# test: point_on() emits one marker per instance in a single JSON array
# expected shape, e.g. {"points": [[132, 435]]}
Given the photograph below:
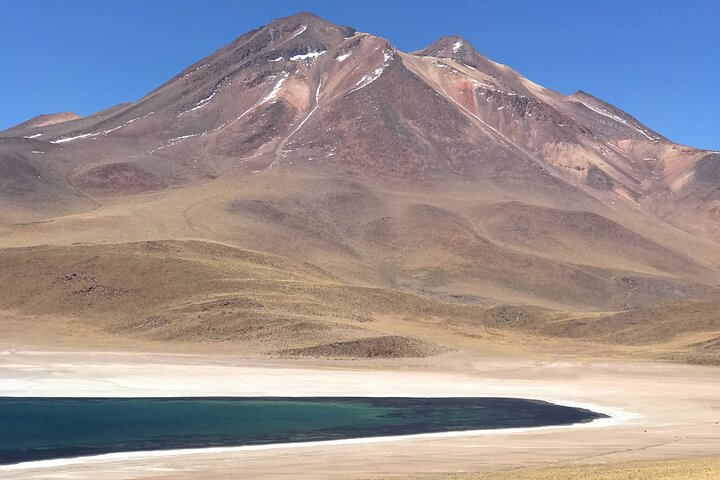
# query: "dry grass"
{"points": [[205, 295], [202, 293], [686, 469]]}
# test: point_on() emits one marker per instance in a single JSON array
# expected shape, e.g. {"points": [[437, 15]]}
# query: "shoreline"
{"points": [[656, 411], [618, 417]]}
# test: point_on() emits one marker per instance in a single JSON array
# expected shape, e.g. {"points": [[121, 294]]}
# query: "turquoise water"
{"points": [[44, 428]]}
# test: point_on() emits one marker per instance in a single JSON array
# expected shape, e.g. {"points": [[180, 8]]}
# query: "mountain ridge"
{"points": [[438, 173]]}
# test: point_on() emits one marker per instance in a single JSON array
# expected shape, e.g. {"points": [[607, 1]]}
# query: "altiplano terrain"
{"points": [[309, 195]]}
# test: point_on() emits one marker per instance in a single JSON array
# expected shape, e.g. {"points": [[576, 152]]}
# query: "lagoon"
{"points": [[48, 428]]}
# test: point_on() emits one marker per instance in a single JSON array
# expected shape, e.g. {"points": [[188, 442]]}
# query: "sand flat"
{"points": [[661, 411]]}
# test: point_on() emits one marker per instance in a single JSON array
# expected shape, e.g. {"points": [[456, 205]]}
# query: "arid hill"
{"points": [[307, 181]]}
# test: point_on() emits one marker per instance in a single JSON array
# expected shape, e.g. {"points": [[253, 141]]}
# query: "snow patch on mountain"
{"points": [[101, 133], [275, 89], [200, 104], [368, 79], [76, 137], [302, 29], [307, 56]]}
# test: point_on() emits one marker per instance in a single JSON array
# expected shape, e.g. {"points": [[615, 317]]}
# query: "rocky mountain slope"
{"points": [[438, 173]]}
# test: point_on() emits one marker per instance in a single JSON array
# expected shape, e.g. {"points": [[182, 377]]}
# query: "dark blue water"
{"points": [[45, 428]]}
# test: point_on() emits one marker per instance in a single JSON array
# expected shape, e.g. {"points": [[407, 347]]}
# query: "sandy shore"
{"points": [[659, 411]]}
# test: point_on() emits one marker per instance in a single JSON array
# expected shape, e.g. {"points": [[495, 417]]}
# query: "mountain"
{"points": [[437, 175], [43, 121]]}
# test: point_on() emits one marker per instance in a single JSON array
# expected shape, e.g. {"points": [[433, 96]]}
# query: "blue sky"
{"points": [[658, 60]]}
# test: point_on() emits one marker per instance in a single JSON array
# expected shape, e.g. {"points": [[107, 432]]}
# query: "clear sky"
{"points": [[659, 60]]}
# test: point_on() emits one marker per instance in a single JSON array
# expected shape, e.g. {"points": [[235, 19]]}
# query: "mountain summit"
{"points": [[439, 172]]}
